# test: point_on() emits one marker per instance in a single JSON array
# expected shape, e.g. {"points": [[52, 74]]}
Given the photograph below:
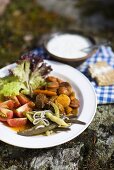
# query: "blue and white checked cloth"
{"points": [[105, 94]]}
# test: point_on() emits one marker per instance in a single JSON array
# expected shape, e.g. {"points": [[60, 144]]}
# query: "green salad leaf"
{"points": [[7, 79], [22, 71], [10, 86], [31, 71], [31, 79], [28, 75], [36, 80], [11, 89]]}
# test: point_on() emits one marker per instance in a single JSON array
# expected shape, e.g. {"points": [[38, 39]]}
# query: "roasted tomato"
{"points": [[17, 122], [5, 114], [16, 101], [25, 108], [22, 99], [7, 104]]}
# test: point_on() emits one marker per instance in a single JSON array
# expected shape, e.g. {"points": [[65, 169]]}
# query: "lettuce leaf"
{"points": [[36, 80], [31, 71], [7, 79], [22, 71], [28, 75], [11, 88]]}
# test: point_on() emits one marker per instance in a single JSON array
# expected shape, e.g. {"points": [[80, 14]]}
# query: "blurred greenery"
{"points": [[24, 22], [21, 25]]}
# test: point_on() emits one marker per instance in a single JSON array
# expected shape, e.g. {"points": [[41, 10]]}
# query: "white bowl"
{"points": [[67, 46]]}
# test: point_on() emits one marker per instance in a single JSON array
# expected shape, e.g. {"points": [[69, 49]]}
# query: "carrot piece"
{"points": [[46, 92], [31, 104]]}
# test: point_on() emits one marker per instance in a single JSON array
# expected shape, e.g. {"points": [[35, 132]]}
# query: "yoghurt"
{"points": [[68, 46]]}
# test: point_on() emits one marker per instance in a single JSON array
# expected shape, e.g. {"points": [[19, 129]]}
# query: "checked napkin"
{"points": [[105, 94]]}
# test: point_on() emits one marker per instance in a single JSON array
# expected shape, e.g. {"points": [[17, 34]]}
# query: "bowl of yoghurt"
{"points": [[69, 46]]}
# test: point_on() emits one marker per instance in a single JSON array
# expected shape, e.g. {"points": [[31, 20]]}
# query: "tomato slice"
{"points": [[7, 104], [16, 101], [9, 114], [17, 122], [22, 99], [25, 108]]}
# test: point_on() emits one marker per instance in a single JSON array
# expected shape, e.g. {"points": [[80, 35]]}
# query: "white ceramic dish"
{"points": [[86, 95], [67, 46]]}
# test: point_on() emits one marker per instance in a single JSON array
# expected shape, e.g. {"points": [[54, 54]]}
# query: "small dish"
{"points": [[68, 46]]}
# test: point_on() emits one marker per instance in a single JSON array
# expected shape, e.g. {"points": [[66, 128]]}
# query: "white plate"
{"points": [[84, 92]]}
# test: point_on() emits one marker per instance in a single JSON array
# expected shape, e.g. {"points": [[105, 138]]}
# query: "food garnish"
{"points": [[30, 96]]}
